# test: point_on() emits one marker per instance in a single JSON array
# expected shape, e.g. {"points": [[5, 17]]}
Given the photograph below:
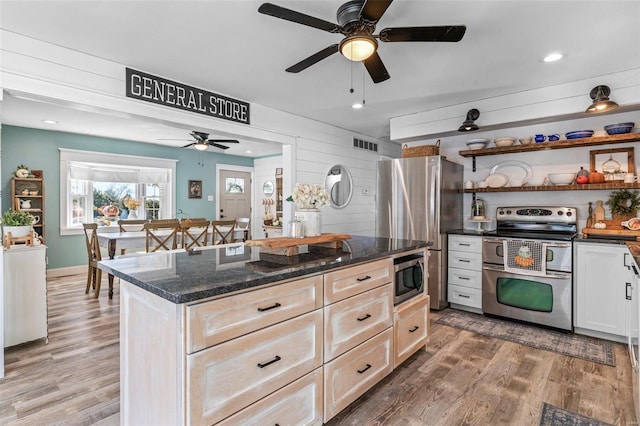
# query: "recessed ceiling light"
{"points": [[357, 105], [248, 151], [50, 121], [553, 57]]}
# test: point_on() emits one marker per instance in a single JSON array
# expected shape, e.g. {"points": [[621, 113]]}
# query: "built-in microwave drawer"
{"points": [[465, 278], [465, 243], [350, 281], [466, 296], [462, 260], [216, 321]]}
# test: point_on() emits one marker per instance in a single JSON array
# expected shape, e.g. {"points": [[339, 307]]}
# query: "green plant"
{"points": [[624, 202], [17, 218]]}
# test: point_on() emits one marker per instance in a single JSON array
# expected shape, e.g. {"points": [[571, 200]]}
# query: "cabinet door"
{"points": [[465, 278], [465, 260], [352, 321], [350, 281], [299, 403], [411, 328], [352, 374], [219, 320], [600, 288], [466, 243], [228, 377]]}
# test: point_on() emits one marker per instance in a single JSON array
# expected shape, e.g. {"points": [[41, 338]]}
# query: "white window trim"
{"points": [[67, 155]]}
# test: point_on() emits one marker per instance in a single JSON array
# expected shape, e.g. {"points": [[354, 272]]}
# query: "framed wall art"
{"points": [[613, 163], [195, 189]]}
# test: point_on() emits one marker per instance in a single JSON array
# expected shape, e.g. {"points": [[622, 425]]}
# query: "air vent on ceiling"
{"points": [[362, 144]]}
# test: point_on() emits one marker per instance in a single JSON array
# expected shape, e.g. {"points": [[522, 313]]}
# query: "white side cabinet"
{"points": [[25, 294], [464, 277], [600, 289]]}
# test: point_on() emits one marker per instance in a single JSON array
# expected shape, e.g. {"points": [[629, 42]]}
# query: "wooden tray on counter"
{"points": [[286, 246], [613, 229]]}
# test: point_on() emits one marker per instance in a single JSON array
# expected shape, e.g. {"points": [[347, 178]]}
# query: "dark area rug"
{"points": [[574, 345], [554, 416]]}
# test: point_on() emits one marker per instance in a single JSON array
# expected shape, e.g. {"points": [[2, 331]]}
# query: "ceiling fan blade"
{"points": [[172, 139], [223, 140], [217, 145], [316, 57], [201, 136], [451, 33], [372, 10], [297, 17], [188, 145], [376, 68]]}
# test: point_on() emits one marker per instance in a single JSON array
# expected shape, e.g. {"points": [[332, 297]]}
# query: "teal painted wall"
{"points": [[38, 149]]}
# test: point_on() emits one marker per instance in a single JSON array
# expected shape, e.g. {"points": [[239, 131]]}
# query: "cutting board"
{"points": [[613, 229], [286, 246]]}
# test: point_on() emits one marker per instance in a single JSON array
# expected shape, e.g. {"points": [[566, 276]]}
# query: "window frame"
{"points": [[133, 161]]}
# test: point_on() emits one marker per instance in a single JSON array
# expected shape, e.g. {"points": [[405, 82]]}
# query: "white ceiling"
{"points": [[228, 47]]}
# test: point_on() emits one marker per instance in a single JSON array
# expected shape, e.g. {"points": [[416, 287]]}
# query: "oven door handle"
{"points": [[500, 240], [560, 277]]}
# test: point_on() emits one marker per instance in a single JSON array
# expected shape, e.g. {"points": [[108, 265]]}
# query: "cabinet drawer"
{"points": [[216, 321], [348, 282], [352, 374], [354, 320], [463, 260], [411, 328], [465, 296], [299, 403], [228, 377], [465, 278], [465, 243]]}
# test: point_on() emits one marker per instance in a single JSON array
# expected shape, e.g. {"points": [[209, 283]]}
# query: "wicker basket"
{"points": [[421, 151]]}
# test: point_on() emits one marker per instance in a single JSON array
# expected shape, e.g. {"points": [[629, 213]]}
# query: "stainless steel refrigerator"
{"points": [[421, 199]]}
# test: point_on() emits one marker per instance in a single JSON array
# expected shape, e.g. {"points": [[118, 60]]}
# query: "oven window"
{"points": [[525, 294], [410, 279]]}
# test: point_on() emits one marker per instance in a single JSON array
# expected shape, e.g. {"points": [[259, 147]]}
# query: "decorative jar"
{"points": [[310, 219]]}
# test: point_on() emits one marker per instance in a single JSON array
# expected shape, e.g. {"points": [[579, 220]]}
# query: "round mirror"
{"points": [[339, 185], [267, 187]]}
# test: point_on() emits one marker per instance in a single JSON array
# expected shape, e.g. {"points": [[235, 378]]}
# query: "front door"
{"points": [[235, 194]]}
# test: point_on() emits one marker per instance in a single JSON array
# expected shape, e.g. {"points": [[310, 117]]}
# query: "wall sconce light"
{"points": [[601, 102], [469, 125]]}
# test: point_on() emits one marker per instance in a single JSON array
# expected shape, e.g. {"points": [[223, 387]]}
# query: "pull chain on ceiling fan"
{"points": [[357, 21]]}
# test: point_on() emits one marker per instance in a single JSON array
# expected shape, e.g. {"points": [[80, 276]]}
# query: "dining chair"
{"points": [[223, 231], [242, 229], [161, 236], [94, 274], [131, 225], [195, 233]]}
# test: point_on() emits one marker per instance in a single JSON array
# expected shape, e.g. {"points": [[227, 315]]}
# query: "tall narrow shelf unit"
{"points": [[30, 191], [279, 199]]}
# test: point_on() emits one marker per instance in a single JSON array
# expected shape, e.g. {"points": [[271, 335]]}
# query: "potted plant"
{"points": [[624, 204], [18, 222]]}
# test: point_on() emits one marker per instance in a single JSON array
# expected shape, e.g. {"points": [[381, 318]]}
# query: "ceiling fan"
{"points": [[357, 21], [202, 141]]}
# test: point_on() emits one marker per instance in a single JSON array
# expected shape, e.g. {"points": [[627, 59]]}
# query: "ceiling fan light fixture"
{"points": [[201, 146], [601, 101], [358, 48], [468, 125]]}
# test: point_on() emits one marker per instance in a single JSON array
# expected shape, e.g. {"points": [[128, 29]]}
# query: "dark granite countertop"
{"points": [[184, 277]]}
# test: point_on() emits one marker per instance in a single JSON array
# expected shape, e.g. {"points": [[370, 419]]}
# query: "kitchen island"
{"points": [[231, 335]]}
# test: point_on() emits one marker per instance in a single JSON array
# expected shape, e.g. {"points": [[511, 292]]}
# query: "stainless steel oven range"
{"points": [[527, 265]]}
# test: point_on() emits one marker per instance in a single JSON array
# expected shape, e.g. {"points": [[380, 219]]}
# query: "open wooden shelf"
{"points": [[542, 146], [584, 187]]}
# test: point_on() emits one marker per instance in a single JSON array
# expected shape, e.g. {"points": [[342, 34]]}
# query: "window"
{"points": [[234, 185], [97, 185]]}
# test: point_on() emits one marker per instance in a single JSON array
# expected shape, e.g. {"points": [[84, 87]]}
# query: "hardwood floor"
{"points": [[461, 379]]}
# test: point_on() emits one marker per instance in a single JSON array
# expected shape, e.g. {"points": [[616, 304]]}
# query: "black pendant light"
{"points": [[601, 101], [469, 125]]}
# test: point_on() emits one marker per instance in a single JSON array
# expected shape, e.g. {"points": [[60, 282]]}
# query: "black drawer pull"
{"points": [[463, 278], [275, 305], [276, 359], [364, 369], [464, 244], [464, 296], [368, 277], [464, 260], [414, 329], [364, 317]]}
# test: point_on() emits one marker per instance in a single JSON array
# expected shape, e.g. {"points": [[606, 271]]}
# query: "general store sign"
{"points": [[158, 90]]}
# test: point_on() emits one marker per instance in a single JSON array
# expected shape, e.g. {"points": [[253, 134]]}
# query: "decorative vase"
{"points": [[310, 219], [133, 214], [17, 231]]}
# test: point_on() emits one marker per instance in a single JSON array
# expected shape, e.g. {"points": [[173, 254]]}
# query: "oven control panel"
{"points": [[537, 214]]}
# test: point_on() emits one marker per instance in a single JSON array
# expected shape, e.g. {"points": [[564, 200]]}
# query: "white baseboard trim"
{"points": [[68, 270]]}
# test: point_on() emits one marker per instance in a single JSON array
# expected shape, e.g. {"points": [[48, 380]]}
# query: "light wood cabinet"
{"points": [[28, 195], [464, 274], [353, 373], [348, 282], [411, 328], [223, 379]]}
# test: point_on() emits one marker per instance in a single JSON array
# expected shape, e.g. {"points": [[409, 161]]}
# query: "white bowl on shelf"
{"points": [[536, 180], [561, 178], [478, 143], [506, 141]]}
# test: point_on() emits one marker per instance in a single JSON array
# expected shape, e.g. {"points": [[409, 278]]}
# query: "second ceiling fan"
{"points": [[357, 21]]}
